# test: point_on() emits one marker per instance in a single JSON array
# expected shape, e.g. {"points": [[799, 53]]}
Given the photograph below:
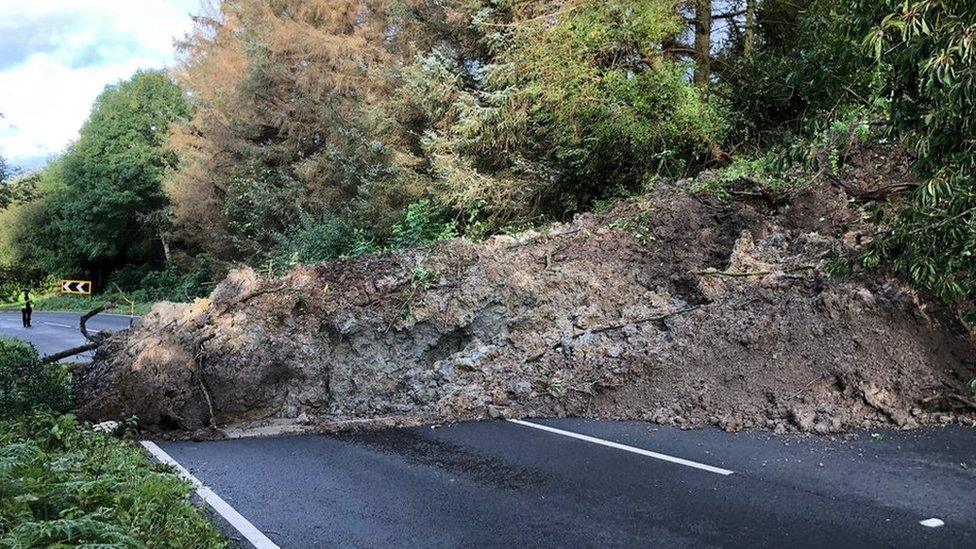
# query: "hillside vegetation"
{"points": [[63, 483], [297, 131]]}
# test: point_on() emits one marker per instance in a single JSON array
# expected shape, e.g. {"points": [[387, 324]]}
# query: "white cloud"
{"points": [[56, 56]]}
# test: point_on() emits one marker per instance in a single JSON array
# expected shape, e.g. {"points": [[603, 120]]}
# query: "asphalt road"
{"points": [[54, 332], [501, 484]]}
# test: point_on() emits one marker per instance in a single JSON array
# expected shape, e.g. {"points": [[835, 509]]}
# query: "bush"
{"points": [[144, 283], [63, 484], [173, 284], [930, 50], [807, 63], [314, 241], [422, 224], [26, 385]]}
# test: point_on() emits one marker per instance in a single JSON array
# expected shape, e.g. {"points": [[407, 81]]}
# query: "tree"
{"points": [[749, 42], [929, 48], [9, 191], [703, 42], [287, 117], [112, 176]]}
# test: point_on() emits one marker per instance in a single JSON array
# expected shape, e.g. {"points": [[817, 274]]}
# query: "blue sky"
{"points": [[56, 56]]}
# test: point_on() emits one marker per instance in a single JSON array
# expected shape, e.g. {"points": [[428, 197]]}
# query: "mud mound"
{"points": [[672, 308]]}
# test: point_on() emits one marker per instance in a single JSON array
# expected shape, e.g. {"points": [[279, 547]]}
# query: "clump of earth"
{"points": [[676, 308]]}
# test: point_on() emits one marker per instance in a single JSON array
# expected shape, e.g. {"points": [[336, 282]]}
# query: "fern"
{"points": [[64, 484]]}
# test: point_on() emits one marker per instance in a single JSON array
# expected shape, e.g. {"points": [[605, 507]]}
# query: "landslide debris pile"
{"points": [[672, 308]]}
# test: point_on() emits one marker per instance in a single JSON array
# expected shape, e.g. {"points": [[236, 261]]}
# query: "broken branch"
{"points": [[56, 357], [82, 324]]}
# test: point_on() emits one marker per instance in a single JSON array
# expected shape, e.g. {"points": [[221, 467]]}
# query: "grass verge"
{"points": [[66, 484], [62, 483], [58, 302]]}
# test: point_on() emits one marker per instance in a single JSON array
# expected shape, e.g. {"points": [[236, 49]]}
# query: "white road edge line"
{"points": [[624, 447], [241, 524]]}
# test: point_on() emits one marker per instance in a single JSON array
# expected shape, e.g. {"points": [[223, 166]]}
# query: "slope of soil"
{"points": [[670, 308]]}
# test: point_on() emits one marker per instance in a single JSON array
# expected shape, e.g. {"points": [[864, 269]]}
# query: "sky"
{"points": [[56, 56]]}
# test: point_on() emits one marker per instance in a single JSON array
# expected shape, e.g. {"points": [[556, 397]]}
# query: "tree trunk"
{"points": [[703, 42], [750, 36], [164, 238]]}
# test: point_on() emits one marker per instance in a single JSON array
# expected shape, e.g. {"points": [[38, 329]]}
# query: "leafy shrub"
{"points": [[807, 63], [259, 206], [27, 385], [559, 110], [145, 283], [130, 277], [930, 48], [314, 241], [172, 284], [63, 484], [422, 224]]}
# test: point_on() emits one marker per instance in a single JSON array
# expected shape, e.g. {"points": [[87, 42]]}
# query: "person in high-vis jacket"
{"points": [[27, 309]]}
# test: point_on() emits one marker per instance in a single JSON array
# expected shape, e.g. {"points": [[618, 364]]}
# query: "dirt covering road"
{"points": [[673, 308]]}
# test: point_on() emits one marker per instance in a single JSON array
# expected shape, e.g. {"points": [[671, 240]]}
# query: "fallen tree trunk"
{"points": [[94, 341], [70, 352]]}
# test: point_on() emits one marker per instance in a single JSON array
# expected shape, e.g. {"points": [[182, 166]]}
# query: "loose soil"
{"points": [[671, 308]]}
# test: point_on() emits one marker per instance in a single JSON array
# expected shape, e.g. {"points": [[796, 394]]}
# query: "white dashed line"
{"points": [[59, 325], [624, 447], [932, 522], [241, 524]]}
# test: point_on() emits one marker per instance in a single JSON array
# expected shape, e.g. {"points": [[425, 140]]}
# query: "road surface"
{"points": [[581, 483], [54, 332], [501, 484]]}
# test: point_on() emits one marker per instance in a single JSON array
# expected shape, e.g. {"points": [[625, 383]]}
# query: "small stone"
{"points": [[523, 388], [803, 417], [107, 427], [497, 412]]}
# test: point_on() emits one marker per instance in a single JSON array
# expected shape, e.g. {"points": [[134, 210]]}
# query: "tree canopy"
{"points": [[303, 130], [85, 219]]}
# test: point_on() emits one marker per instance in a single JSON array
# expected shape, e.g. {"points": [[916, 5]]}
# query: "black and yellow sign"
{"points": [[76, 287]]}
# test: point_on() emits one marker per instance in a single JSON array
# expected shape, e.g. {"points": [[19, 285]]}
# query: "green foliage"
{"points": [[66, 485], [796, 162], [7, 171], [930, 49], [421, 276], [315, 241], [422, 224], [26, 385], [146, 283], [12, 188], [112, 176], [610, 105], [83, 217], [259, 207], [764, 173], [27, 245], [172, 284], [808, 63], [566, 108]]}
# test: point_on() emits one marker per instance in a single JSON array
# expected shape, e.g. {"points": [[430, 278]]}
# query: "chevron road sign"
{"points": [[76, 287]]}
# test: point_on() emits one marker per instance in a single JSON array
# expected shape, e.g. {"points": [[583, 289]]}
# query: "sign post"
{"points": [[76, 287]]}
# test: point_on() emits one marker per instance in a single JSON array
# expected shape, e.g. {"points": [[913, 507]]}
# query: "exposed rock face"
{"points": [[676, 309]]}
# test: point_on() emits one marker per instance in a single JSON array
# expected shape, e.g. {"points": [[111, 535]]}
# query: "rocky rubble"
{"points": [[670, 308]]}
